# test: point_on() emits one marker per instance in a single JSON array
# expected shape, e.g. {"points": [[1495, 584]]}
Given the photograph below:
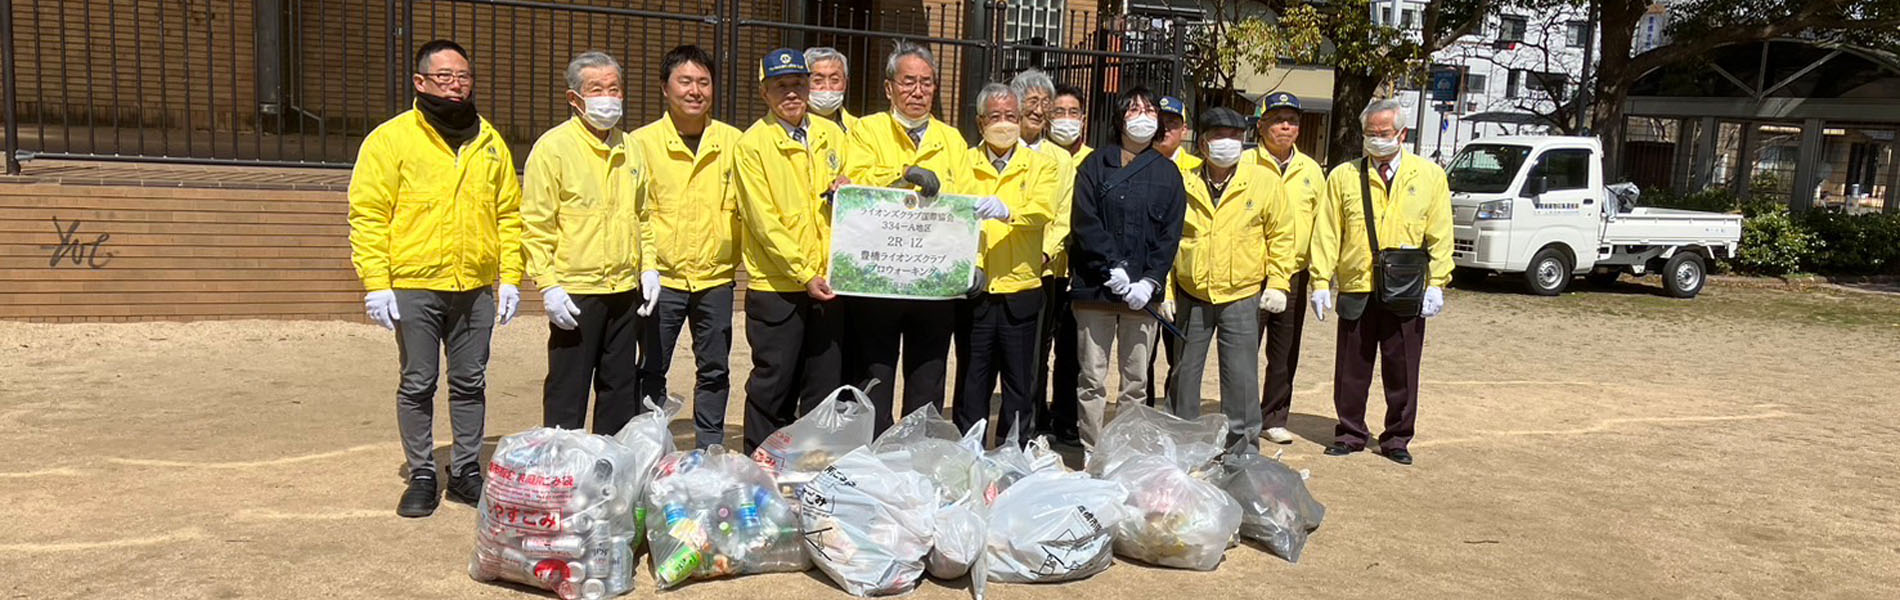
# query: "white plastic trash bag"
{"points": [[1277, 511], [868, 525], [1141, 431], [796, 453], [557, 513], [960, 532], [1177, 520], [1053, 527], [647, 440], [714, 513]]}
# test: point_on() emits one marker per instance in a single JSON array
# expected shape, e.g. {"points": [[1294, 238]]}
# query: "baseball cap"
{"points": [[1277, 100], [783, 61], [1172, 105]]}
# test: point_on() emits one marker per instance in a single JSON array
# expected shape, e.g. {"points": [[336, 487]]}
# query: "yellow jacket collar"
{"points": [[707, 144]]}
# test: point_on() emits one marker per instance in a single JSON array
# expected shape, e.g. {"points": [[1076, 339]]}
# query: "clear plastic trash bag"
{"points": [[798, 452], [713, 513], [648, 439], [868, 523], [1176, 519], [1141, 431], [1053, 526], [1276, 509], [557, 513]]}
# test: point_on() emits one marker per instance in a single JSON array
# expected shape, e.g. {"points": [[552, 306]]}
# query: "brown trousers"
{"points": [[1398, 344]]}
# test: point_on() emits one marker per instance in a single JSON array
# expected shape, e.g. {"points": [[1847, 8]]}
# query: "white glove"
{"points": [[1139, 293], [1322, 301], [1166, 310], [380, 305], [1434, 303], [560, 308], [649, 292], [508, 296], [991, 207], [1118, 281], [1273, 301]]}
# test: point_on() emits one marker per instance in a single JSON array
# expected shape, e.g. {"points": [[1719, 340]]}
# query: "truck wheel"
{"points": [[1684, 275], [1603, 278], [1467, 278], [1549, 273]]}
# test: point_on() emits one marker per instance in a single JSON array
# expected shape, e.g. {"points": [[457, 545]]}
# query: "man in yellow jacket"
{"points": [[1060, 375], [1411, 209], [996, 329], [905, 146], [788, 162], [830, 78], [435, 235], [692, 211], [1236, 252], [580, 202], [1305, 184]]}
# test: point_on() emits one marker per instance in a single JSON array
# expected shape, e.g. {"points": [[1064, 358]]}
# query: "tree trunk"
{"points": [[1351, 93], [1613, 78]]}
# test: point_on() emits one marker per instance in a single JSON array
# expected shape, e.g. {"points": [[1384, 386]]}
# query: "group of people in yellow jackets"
{"points": [[633, 238]]}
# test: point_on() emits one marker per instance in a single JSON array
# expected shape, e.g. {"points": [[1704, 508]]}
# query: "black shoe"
{"points": [[467, 488], [1339, 449], [420, 499], [1398, 456]]}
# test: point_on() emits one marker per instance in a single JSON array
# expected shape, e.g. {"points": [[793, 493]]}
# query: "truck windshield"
{"points": [[1485, 168]]}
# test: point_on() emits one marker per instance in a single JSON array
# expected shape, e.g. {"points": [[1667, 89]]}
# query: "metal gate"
{"points": [[300, 82]]}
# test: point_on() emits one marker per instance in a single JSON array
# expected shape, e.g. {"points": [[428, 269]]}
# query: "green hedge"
{"points": [[1775, 242]]}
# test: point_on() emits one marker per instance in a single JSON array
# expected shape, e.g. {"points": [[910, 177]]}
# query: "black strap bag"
{"points": [[1399, 275]]}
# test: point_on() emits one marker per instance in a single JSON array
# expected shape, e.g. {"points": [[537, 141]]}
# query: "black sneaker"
{"points": [[1341, 449], [467, 487], [420, 499]]}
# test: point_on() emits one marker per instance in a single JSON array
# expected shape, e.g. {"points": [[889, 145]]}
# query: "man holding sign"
{"points": [[787, 162], [906, 147], [996, 329]]}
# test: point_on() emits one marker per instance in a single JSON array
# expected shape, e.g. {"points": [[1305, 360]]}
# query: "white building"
{"points": [[1520, 71]]}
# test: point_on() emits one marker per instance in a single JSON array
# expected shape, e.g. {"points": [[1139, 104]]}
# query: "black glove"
{"points": [[978, 284], [925, 181]]}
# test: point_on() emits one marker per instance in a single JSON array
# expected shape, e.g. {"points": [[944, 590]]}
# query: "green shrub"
{"points": [[1774, 243], [1855, 244]]}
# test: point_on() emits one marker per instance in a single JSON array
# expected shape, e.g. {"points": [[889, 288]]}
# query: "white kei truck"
{"points": [[1538, 206]]}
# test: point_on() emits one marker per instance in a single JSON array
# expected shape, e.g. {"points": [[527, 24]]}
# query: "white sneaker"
{"points": [[1279, 435]]}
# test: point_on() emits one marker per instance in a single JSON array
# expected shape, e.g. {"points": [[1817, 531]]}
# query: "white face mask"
{"points": [[1065, 131], [826, 102], [907, 122], [1224, 152], [1377, 147], [1141, 129], [603, 112]]}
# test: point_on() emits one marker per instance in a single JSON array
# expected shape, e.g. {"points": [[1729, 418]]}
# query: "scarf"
{"points": [[456, 122]]}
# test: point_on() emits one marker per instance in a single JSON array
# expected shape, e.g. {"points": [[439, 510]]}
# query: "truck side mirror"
{"points": [[1535, 186]]}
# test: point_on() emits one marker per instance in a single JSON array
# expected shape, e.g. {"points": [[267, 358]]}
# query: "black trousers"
{"points": [[1056, 386], [796, 360], [921, 330], [1283, 354], [997, 336], [709, 313], [1170, 347], [600, 353], [1396, 343]]}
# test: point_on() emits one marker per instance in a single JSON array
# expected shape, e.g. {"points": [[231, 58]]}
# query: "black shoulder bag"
{"points": [[1399, 275]]}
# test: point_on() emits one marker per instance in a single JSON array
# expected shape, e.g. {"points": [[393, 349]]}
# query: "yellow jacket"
{"points": [[1055, 239], [581, 203], [1305, 184], [427, 216], [881, 151], [1230, 249], [845, 120], [692, 203], [787, 232], [1012, 251], [1187, 162], [1418, 215]]}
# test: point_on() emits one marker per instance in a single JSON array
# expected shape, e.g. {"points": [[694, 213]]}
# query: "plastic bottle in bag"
{"points": [[714, 513], [1176, 519]]}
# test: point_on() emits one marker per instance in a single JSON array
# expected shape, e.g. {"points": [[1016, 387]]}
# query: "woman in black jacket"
{"points": [[1129, 204]]}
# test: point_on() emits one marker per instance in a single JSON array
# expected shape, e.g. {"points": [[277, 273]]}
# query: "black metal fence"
{"points": [[300, 82]]}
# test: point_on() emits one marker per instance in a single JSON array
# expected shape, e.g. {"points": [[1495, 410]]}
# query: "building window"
{"points": [[1385, 16], [1551, 84], [1577, 33], [1476, 84], [1035, 19], [1410, 19], [1511, 28], [1511, 83]]}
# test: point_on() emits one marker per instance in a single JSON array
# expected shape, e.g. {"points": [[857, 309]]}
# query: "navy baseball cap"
{"points": [[783, 61], [1278, 100], [1172, 105]]}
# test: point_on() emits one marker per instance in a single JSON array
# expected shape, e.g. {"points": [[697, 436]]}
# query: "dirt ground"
{"points": [[1607, 444]]}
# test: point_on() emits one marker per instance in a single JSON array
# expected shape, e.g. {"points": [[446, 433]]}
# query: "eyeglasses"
{"points": [[445, 77], [1058, 112], [911, 85]]}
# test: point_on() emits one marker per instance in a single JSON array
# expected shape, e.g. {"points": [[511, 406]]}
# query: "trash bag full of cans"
{"points": [[713, 513], [798, 452], [557, 514], [868, 523], [1276, 509]]}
